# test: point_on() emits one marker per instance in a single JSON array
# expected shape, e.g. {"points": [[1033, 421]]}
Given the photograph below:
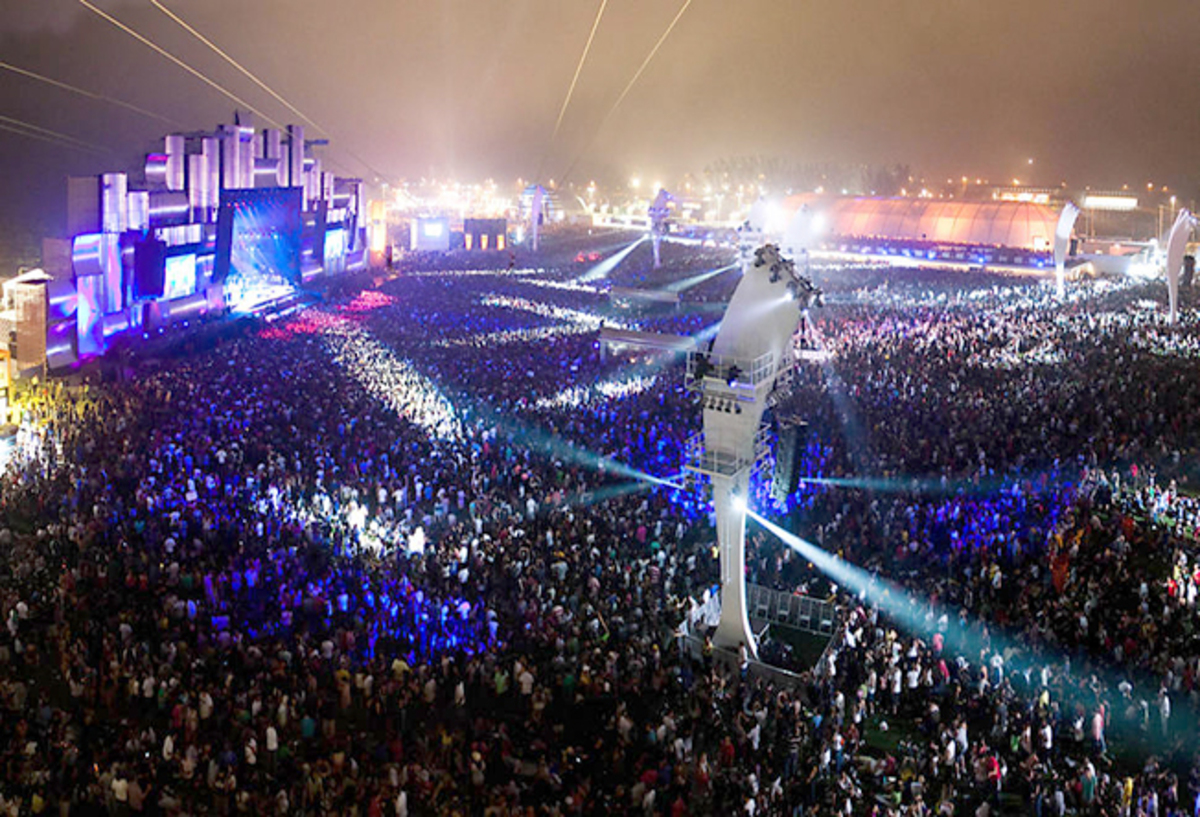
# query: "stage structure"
{"points": [[485, 233], [1185, 222], [660, 211], [747, 368], [225, 220], [259, 245]]}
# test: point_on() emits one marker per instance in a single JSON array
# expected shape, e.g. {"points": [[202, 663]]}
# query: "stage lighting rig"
{"points": [[745, 369]]}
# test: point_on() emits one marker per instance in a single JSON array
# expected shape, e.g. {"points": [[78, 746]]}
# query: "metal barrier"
{"points": [[791, 609], [731, 660]]}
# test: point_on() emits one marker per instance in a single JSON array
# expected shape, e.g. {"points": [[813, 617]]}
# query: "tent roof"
{"points": [[1020, 225]]}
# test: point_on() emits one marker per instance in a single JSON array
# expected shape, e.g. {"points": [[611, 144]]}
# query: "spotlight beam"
{"points": [[172, 58], [924, 618], [696, 280], [920, 617], [609, 264], [933, 486], [628, 87], [578, 69], [641, 68], [25, 72]]}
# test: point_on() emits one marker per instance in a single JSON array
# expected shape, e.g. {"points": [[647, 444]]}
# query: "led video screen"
{"points": [[258, 236], [180, 276]]}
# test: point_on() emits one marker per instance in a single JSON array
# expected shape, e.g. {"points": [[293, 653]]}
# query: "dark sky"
{"points": [[1102, 92]]}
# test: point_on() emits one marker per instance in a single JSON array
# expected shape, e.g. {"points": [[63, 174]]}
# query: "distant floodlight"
{"points": [[738, 502]]}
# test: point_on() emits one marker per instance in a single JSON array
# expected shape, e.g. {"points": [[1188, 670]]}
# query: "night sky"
{"points": [[1099, 92]]}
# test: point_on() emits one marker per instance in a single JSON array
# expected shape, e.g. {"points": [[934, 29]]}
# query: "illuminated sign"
{"points": [[1118, 203], [1023, 196]]}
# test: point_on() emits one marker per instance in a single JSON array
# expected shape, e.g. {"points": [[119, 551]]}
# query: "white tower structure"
{"points": [[1062, 241], [659, 211], [1185, 222], [537, 214], [751, 358]]}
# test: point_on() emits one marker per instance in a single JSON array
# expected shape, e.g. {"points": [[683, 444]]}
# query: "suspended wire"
{"points": [[245, 71], [168, 55], [25, 72], [55, 134], [254, 78], [31, 135], [56, 139], [575, 79], [628, 87]]}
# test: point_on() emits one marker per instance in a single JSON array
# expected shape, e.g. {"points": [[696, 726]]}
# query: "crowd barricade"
{"points": [[811, 615]]}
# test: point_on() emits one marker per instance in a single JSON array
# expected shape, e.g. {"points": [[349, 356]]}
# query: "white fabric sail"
{"points": [[1062, 240], [1185, 222]]}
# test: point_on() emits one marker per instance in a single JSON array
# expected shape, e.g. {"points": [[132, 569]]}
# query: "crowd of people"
{"points": [[390, 556]]}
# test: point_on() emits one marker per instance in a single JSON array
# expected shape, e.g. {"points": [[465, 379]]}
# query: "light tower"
{"points": [[537, 215], [749, 363], [659, 210]]}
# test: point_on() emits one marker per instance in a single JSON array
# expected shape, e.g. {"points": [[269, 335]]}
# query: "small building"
{"points": [[485, 234]]}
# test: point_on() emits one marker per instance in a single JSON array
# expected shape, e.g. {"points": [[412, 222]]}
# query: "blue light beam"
{"points": [[609, 264]]}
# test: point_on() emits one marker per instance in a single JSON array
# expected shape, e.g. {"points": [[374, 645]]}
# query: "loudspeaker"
{"points": [[149, 268], [1189, 270], [789, 448]]}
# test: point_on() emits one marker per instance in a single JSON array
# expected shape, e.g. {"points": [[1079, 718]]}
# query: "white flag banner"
{"points": [[1185, 222]]}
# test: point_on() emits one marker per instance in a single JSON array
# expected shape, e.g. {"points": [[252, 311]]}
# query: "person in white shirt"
{"points": [[272, 741], [120, 789]]}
